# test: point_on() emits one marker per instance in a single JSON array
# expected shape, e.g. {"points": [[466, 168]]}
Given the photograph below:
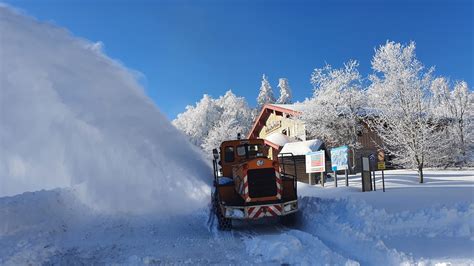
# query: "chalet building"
{"points": [[277, 124], [283, 131]]}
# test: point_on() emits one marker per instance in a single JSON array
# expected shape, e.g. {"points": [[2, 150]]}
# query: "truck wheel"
{"points": [[223, 224], [289, 219]]}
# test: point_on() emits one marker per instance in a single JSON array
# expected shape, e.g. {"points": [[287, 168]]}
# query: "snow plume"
{"points": [[71, 116]]}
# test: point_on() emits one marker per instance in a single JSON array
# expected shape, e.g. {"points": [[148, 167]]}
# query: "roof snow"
{"points": [[300, 107], [279, 138], [302, 147], [297, 107]]}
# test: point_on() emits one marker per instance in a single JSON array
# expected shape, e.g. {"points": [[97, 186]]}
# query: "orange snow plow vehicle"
{"points": [[249, 185]]}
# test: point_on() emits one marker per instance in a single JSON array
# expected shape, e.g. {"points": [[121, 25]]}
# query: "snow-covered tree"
{"points": [[456, 107], [196, 121], [285, 91], [236, 117], [266, 93], [404, 121], [333, 113], [212, 121]]}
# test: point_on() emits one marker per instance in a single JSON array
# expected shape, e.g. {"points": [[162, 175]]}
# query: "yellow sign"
{"points": [[381, 165]]}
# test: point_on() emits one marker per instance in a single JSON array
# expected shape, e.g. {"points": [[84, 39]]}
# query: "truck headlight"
{"points": [[229, 212], [234, 213], [290, 207]]}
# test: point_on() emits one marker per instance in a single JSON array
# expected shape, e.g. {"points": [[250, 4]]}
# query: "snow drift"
{"points": [[71, 116]]}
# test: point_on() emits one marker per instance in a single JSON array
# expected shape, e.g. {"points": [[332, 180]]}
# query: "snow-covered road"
{"points": [[337, 226]]}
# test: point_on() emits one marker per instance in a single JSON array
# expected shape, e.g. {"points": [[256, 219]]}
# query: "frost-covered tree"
{"points": [[265, 94], [404, 121], [236, 117], [196, 121], [456, 107], [333, 114], [285, 91], [212, 121]]}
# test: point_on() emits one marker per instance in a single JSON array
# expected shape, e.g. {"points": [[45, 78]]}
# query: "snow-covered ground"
{"points": [[410, 223]]}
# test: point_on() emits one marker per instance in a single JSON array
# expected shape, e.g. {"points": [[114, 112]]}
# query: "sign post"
{"points": [[372, 164], [315, 163], [339, 161], [383, 182], [347, 177], [375, 188], [381, 166]]}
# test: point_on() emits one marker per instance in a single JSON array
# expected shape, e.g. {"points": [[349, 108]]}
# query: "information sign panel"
{"points": [[339, 159], [315, 162]]}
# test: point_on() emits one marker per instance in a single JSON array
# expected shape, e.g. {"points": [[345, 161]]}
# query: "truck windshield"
{"points": [[250, 150]]}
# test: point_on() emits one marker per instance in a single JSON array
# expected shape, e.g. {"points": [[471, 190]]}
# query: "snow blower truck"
{"points": [[248, 185]]}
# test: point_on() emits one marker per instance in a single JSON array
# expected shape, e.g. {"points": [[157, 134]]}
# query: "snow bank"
{"points": [[375, 237], [41, 211], [54, 228], [69, 115], [424, 223]]}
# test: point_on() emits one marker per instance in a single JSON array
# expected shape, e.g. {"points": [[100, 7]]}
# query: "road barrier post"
{"points": [[347, 177], [383, 181]]}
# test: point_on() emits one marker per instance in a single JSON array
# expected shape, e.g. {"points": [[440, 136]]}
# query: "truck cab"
{"points": [[249, 185]]}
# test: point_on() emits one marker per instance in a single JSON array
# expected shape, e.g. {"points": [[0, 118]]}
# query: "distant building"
{"points": [[278, 124]]}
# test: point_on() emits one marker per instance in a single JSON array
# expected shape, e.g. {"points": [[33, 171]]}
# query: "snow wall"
{"points": [[71, 116]]}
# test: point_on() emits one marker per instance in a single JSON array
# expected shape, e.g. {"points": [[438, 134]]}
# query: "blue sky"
{"points": [[187, 48]]}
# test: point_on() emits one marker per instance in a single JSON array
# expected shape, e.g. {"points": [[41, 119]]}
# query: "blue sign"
{"points": [[339, 158], [372, 157]]}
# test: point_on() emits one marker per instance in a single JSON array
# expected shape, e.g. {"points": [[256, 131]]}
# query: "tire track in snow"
{"points": [[293, 247], [274, 243]]}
